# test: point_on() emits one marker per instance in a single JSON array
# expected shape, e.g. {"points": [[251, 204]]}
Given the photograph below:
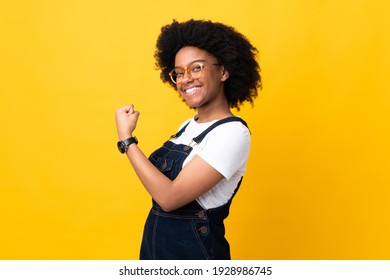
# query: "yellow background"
{"points": [[317, 184]]}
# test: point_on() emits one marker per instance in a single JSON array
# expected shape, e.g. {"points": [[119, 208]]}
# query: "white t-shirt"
{"points": [[225, 148]]}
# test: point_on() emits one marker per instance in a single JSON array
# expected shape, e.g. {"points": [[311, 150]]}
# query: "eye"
{"points": [[178, 72], [196, 67]]}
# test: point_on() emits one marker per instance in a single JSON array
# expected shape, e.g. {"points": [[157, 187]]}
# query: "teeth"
{"points": [[192, 90]]}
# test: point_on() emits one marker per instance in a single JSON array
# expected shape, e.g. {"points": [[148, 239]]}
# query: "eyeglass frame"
{"points": [[201, 63]]}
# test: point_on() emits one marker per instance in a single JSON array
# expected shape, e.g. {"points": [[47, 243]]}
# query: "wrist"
{"points": [[124, 136], [123, 145]]}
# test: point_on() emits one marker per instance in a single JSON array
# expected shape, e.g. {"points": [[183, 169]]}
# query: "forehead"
{"points": [[187, 55]]}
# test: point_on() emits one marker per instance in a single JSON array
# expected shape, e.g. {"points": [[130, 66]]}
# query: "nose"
{"points": [[187, 76]]}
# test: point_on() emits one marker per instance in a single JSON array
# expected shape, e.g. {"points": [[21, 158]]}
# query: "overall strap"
{"points": [[177, 134], [200, 137]]}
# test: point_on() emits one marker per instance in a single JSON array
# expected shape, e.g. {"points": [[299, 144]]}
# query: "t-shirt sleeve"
{"points": [[227, 148]]}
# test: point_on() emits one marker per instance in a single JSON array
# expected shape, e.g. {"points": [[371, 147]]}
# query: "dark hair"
{"points": [[229, 47]]}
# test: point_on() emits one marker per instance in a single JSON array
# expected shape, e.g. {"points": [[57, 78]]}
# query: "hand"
{"points": [[126, 121]]}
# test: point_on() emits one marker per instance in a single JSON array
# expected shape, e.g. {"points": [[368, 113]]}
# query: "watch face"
{"points": [[121, 147]]}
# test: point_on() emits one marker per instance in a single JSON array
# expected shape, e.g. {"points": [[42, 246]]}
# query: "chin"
{"points": [[192, 105]]}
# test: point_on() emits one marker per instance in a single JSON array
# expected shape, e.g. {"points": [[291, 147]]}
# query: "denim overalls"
{"points": [[189, 232]]}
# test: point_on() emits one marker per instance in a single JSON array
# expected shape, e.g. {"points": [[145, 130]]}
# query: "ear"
{"points": [[225, 74]]}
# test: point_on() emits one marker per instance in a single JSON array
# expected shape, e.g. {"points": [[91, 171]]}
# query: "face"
{"points": [[207, 86]]}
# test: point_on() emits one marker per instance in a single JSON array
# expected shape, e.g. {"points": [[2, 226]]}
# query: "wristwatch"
{"points": [[124, 144]]}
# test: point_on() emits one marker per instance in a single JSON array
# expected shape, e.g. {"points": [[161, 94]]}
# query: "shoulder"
{"points": [[231, 130], [229, 138], [226, 148]]}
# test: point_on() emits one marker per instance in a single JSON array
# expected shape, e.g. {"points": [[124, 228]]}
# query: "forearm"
{"points": [[156, 183]]}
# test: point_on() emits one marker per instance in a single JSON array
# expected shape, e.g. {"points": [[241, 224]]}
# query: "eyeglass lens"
{"points": [[193, 70]]}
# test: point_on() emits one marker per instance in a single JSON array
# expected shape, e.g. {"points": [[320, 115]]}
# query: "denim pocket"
{"points": [[164, 164]]}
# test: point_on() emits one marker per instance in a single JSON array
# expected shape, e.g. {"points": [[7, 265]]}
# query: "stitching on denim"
{"points": [[176, 150], [154, 238], [179, 216], [199, 240]]}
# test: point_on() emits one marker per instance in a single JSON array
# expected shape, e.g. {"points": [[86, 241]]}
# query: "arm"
{"points": [[196, 178]]}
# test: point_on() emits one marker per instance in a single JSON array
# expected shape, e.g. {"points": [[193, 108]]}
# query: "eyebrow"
{"points": [[197, 60]]}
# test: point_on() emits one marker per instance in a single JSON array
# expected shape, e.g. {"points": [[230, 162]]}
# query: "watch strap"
{"points": [[124, 144]]}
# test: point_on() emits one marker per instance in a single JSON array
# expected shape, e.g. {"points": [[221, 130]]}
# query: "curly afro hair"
{"points": [[229, 47]]}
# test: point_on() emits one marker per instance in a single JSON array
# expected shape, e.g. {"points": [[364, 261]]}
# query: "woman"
{"points": [[193, 177]]}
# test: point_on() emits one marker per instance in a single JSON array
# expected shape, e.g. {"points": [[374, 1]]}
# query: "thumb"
{"points": [[136, 114], [130, 109]]}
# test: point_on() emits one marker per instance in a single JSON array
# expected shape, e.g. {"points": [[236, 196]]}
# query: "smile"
{"points": [[191, 91]]}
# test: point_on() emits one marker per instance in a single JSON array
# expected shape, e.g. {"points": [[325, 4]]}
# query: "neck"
{"points": [[210, 114]]}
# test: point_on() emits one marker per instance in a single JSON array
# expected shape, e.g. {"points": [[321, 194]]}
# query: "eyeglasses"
{"points": [[194, 69]]}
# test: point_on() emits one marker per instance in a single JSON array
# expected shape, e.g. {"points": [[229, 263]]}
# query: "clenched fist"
{"points": [[126, 121]]}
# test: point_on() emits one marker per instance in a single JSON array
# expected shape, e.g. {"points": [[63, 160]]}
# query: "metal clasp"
{"points": [[191, 145]]}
